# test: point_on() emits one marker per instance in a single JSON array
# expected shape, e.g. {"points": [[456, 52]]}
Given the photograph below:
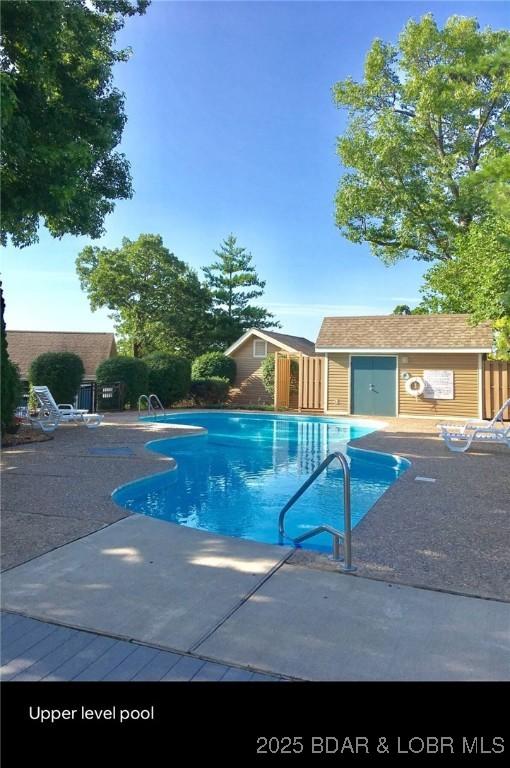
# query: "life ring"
{"points": [[415, 386]]}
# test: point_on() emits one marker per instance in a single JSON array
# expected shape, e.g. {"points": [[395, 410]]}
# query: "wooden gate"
{"points": [[311, 384], [281, 380], [496, 387]]}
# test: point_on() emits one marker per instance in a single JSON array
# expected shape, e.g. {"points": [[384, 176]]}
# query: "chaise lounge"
{"points": [[51, 415], [459, 437]]}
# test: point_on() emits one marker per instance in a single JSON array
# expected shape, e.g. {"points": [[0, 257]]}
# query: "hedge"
{"points": [[211, 391], [169, 376], [61, 372], [10, 382], [130, 371], [214, 365]]}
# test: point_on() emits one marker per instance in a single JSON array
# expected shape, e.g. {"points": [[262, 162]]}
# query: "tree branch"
{"points": [[406, 112], [476, 146], [417, 205], [402, 244]]}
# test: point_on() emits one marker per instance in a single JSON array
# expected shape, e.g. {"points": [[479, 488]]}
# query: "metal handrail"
{"points": [[158, 403], [140, 400], [150, 406], [336, 534]]}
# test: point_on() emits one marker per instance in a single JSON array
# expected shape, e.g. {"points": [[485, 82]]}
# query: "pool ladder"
{"points": [[153, 404], [336, 534]]}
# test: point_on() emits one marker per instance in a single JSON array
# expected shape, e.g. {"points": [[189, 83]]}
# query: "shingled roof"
{"points": [[403, 333], [283, 340], [299, 343], [93, 348]]}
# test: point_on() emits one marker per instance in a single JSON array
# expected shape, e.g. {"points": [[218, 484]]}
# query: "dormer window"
{"points": [[259, 348]]}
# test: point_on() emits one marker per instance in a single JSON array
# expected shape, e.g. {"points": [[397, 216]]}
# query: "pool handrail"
{"points": [[336, 534], [159, 404], [150, 404]]}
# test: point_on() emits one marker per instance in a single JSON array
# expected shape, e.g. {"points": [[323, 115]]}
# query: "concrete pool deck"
{"points": [[234, 601], [452, 534], [238, 602]]}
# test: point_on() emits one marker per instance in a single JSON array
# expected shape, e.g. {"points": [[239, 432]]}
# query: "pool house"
{"points": [[404, 365], [421, 366]]}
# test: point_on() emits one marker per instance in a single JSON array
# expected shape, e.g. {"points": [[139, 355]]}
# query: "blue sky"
{"points": [[232, 128]]}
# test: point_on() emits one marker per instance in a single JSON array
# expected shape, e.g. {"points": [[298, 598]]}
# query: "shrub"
{"points": [[267, 373], [169, 376], [11, 391], [61, 372], [214, 365], [210, 391], [9, 374], [130, 371]]}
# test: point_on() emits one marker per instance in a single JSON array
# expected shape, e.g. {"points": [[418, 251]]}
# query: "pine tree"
{"points": [[234, 283]]}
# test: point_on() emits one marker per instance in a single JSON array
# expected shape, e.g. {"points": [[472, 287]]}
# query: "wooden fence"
{"points": [[281, 380], [311, 384], [496, 387]]}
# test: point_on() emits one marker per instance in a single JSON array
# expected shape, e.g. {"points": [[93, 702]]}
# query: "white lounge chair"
{"points": [[458, 437], [51, 415]]}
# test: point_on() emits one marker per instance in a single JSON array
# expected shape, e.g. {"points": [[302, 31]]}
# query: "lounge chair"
{"points": [[51, 415], [458, 437]]}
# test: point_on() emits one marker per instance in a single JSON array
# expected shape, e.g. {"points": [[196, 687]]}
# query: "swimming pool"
{"points": [[235, 478]]}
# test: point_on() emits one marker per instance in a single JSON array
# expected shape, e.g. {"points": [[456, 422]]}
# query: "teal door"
{"points": [[373, 386]]}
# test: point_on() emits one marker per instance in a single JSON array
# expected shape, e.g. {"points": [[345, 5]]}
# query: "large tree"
{"points": [[61, 116], [234, 283], [157, 301], [494, 174], [425, 118], [477, 279]]}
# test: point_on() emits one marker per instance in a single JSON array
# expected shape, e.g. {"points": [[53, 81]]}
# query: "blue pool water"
{"points": [[235, 479]]}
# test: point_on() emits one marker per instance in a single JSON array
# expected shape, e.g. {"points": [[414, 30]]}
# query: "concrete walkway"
{"points": [[239, 602], [142, 579]]}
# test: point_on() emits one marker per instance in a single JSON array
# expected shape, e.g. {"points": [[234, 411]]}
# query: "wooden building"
{"points": [[404, 365], [249, 352]]}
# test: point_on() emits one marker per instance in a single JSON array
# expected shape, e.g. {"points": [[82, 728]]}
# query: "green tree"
{"points": [[234, 283], [502, 339], [61, 116], [477, 279], [157, 301], [424, 120], [402, 309], [494, 175]]}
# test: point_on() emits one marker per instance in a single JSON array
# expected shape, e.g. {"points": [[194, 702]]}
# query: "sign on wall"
{"points": [[438, 385]]}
